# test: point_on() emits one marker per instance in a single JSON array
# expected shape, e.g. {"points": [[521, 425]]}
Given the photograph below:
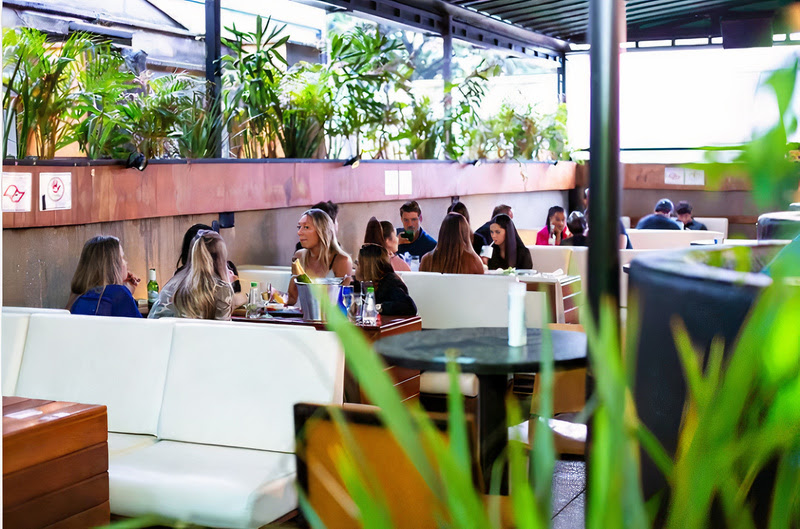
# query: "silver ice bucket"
{"points": [[309, 295]]}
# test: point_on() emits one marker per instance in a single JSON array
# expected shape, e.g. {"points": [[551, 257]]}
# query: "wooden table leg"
{"points": [[492, 429]]}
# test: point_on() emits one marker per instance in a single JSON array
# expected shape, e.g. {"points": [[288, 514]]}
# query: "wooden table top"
{"points": [[390, 325]]}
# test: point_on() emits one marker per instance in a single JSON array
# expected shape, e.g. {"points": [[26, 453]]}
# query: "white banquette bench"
{"points": [[200, 414], [667, 239], [448, 301], [278, 276]]}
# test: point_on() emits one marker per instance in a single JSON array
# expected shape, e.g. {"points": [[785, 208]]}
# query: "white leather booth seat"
{"points": [[448, 301], [12, 341], [200, 414], [528, 236], [279, 276], [549, 259], [664, 239], [719, 224]]}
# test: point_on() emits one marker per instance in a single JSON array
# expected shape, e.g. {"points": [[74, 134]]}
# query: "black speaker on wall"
{"points": [[747, 33]]}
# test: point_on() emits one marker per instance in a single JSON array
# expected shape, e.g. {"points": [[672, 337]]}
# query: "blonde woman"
{"points": [[102, 285], [320, 255], [201, 290]]}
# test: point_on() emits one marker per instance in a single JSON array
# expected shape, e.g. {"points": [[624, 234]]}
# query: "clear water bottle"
{"points": [[369, 312], [253, 300]]}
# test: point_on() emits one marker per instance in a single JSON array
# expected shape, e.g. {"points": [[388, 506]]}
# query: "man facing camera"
{"points": [[660, 218], [413, 238]]}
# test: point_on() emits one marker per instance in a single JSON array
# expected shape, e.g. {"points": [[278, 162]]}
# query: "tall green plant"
{"points": [[252, 81], [38, 76], [101, 128], [156, 110], [199, 134]]}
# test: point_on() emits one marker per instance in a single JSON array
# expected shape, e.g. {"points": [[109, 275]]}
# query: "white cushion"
{"points": [[626, 222], [118, 362], [548, 259], [579, 265], [625, 257], [527, 236], [211, 486], [448, 301], [237, 385], [719, 224], [663, 239], [278, 276], [33, 310], [439, 382], [13, 334], [124, 443]]}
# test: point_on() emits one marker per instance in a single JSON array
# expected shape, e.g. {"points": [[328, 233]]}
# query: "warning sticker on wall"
{"points": [[17, 192], [55, 191]]}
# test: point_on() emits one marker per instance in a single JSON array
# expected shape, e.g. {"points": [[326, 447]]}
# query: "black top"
{"points": [[485, 232], [654, 221], [478, 242], [481, 350], [524, 260], [694, 225], [392, 294], [576, 240]]}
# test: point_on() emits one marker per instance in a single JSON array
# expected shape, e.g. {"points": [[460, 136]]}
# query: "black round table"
{"points": [[485, 352]]}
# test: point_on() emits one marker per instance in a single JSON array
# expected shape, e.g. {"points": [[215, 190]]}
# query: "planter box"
{"points": [[104, 192]]}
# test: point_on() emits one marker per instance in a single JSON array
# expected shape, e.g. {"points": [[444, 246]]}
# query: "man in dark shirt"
{"points": [[483, 231], [413, 238], [659, 220], [684, 211]]}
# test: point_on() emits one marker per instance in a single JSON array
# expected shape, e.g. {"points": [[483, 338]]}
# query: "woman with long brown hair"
{"points": [[391, 294], [453, 253], [383, 234], [102, 285], [201, 289]]}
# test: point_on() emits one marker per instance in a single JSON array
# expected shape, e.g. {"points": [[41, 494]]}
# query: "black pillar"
{"points": [[447, 76], [606, 22], [213, 53], [562, 78]]}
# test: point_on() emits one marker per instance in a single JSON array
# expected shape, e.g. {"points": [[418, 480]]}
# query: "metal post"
{"points": [[605, 38], [213, 53], [447, 76], [562, 78]]}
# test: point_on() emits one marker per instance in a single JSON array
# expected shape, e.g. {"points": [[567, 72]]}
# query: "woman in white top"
{"points": [[202, 288], [320, 255]]}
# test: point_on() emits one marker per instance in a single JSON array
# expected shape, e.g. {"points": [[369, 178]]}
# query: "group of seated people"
{"points": [[205, 284], [666, 216]]}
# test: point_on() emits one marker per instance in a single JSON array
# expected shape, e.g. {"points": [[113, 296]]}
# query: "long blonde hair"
{"points": [[329, 244], [206, 271], [100, 264]]}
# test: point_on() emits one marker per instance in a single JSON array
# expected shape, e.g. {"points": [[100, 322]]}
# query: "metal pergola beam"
{"points": [[476, 28]]}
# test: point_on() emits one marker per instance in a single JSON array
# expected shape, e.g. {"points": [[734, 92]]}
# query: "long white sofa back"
{"points": [[719, 224], [279, 276], [664, 239], [236, 385], [446, 301], [118, 362], [549, 259]]}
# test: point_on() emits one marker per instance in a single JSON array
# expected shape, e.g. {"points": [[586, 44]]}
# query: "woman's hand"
{"points": [[131, 282]]}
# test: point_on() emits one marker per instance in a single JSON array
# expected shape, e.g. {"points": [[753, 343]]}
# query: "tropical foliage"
{"points": [[360, 102]]}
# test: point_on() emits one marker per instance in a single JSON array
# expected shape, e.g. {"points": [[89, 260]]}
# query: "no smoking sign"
{"points": [[55, 191]]}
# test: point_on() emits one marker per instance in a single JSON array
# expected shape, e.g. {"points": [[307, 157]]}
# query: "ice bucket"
{"points": [[309, 295]]}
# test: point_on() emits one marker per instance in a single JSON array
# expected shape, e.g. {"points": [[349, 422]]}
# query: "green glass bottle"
{"points": [[152, 288]]}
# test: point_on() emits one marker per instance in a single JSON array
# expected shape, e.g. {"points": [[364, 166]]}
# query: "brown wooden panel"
{"points": [[60, 429], [15, 404], [49, 476], [401, 374], [98, 516], [651, 176], [408, 388], [56, 506], [113, 193]]}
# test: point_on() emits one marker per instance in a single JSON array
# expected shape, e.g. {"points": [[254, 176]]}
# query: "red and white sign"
{"points": [[16, 192], [55, 191]]}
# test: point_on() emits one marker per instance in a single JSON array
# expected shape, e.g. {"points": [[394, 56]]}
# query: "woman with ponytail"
{"points": [[201, 289]]}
